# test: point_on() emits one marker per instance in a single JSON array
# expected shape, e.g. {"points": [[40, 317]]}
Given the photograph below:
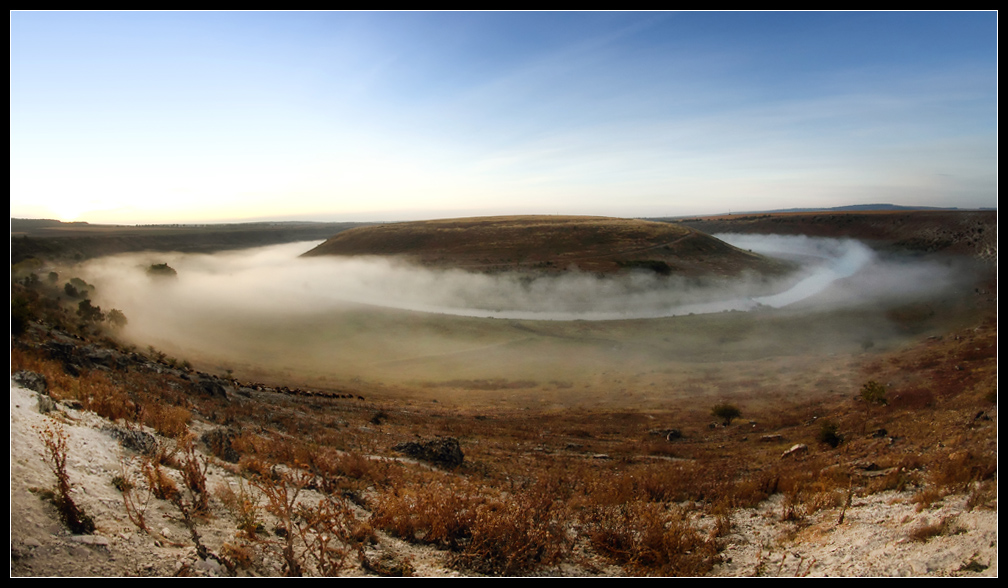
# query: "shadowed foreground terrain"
{"points": [[850, 455]]}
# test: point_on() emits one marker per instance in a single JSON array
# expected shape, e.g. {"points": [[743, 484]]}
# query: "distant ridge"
{"points": [[51, 239], [930, 230], [861, 208], [881, 207]]}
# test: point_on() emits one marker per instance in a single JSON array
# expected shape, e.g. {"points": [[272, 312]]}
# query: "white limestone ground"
{"points": [[873, 540]]}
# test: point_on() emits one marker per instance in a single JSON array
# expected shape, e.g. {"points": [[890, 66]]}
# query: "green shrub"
{"points": [[829, 433], [726, 412]]}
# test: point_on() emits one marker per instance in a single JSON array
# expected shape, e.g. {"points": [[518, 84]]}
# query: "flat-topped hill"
{"points": [[549, 244]]}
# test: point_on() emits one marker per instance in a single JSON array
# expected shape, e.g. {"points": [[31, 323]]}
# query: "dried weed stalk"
{"points": [[281, 494], [243, 506], [135, 509], [54, 438], [194, 469]]}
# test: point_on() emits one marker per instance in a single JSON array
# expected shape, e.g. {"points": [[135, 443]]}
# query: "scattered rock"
{"points": [[868, 466], [46, 404], [386, 564], [669, 434], [93, 540], [973, 566], [211, 387], [795, 451]]}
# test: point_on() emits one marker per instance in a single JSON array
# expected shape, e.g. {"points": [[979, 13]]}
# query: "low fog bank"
{"points": [[274, 281], [840, 273], [268, 312]]}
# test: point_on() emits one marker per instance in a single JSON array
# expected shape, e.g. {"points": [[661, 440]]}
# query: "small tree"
{"points": [[83, 288], [21, 315], [726, 412], [829, 433], [161, 270], [88, 312], [116, 318]]}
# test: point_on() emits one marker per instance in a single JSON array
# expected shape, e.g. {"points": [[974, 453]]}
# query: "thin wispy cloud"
{"points": [[145, 117]]}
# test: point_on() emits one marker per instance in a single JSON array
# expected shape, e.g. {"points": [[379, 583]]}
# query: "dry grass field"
{"points": [[539, 447]]}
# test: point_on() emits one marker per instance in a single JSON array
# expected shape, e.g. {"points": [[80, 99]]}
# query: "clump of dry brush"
{"points": [[54, 439]]}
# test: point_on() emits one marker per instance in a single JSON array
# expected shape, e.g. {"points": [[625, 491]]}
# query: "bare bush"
{"points": [[313, 538], [517, 534], [136, 508], [650, 538], [194, 468], [243, 506]]}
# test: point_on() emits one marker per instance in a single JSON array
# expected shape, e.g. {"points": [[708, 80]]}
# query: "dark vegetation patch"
{"points": [[662, 268]]}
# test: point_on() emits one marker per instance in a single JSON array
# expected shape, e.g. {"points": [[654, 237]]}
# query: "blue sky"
{"points": [[147, 117]]}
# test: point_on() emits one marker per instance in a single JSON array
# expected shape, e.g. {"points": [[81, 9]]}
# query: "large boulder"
{"points": [[211, 386], [140, 441], [31, 381], [442, 451], [219, 442]]}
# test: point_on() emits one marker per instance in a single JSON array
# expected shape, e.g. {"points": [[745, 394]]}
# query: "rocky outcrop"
{"points": [[140, 441]]}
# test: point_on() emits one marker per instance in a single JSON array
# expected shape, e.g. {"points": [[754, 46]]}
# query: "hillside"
{"points": [[925, 231], [549, 244], [187, 473], [369, 442], [54, 240]]}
